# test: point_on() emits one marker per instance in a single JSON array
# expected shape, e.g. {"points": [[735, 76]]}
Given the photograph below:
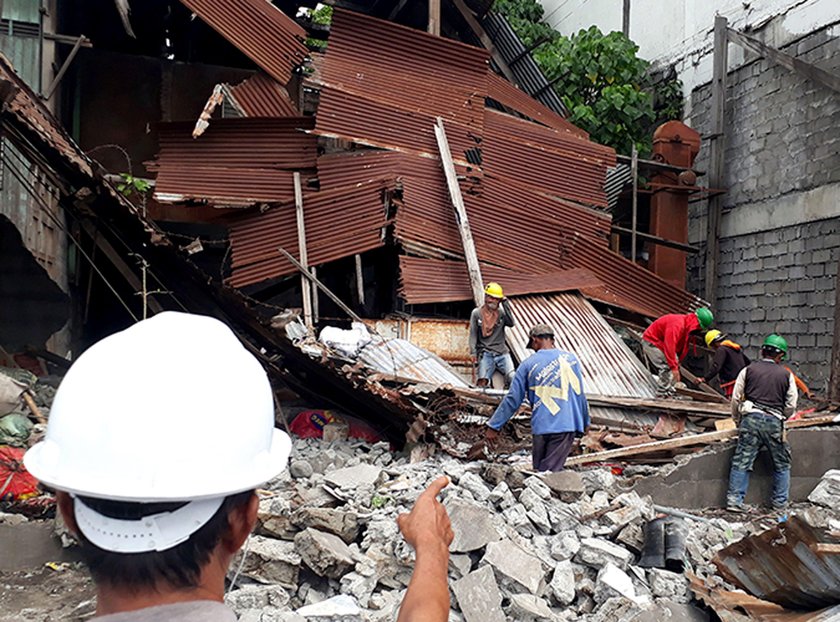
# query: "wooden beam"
{"points": [[702, 387], [717, 156], [685, 441], [812, 72], [310, 277], [485, 39], [625, 19], [119, 263], [305, 287], [634, 174], [434, 17], [674, 407], [470, 254], [360, 280], [825, 548]]}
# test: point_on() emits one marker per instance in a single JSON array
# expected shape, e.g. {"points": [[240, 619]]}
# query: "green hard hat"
{"points": [[705, 316], [777, 342]]}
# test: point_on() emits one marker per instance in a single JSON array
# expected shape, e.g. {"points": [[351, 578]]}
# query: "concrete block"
{"points": [[251, 597], [565, 546], [343, 524], [528, 607], [354, 476], [827, 492], [568, 485], [479, 597], [473, 526], [336, 431], [562, 584], [512, 564], [613, 581], [326, 554], [270, 561], [670, 585], [597, 552], [341, 608], [476, 486]]}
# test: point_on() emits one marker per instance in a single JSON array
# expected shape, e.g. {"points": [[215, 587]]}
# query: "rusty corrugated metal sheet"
{"points": [[338, 223], [425, 280], [406, 69], [262, 96], [499, 89], [235, 162], [352, 167], [541, 158], [609, 367], [401, 358], [782, 565], [260, 30]]}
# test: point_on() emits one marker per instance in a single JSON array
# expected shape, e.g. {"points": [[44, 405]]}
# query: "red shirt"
{"points": [[670, 333]]}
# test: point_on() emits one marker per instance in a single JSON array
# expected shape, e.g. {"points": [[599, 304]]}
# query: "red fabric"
{"points": [[15, 481], [310, 424], [670, 333]]}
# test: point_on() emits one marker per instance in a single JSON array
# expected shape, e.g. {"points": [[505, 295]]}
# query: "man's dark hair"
{"points": [[770, 352], [179, 566]]}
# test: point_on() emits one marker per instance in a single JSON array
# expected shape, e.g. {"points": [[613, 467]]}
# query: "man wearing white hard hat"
{"points": [[157, 439]]}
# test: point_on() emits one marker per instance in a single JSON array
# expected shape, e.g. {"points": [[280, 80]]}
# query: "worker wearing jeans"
{"points": [[487, 336], [764, 396]]}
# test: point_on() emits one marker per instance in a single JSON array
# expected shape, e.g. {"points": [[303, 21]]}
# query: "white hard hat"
{"points": [[173, 408]]}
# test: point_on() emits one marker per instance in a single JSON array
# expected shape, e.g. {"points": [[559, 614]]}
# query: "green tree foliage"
{"points": [[602, 81]]}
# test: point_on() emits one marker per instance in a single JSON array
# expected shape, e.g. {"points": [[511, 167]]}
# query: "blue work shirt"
{"points": [[552, 380]]}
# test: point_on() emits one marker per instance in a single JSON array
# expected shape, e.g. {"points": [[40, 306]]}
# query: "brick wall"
{"points": [[783, 140]]}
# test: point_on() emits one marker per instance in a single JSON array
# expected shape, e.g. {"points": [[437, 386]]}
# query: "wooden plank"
{"points": [[825, 548], [655, 239], [305, 287], [470, 254], [702, 387], [726, 424], [687, 441], [716, 156], [313, 279], [485, 39], [700, 396], [434, 17], [684, 407], [812, 72], [634, 172], [360, 280]]}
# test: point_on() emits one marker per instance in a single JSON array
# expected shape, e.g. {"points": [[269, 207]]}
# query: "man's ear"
{"points": [[241, 521], [65, 506]]}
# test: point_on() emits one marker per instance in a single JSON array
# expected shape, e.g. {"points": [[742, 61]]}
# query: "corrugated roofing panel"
{"points": [[425, 280], [609, 367], [507, 94], [260, 30], [402, 358], [406, 69], [235, 162], [338, 223], [783, 565], [262, 96]]}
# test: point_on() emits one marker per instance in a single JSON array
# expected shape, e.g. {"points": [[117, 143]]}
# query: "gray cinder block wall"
{"points": [[780, 233]]}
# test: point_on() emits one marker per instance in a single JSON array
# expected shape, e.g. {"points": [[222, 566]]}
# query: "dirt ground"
{"points": [[46, 595]]}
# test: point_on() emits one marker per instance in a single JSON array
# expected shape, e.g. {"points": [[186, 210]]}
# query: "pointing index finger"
{"points": [[436, 486]]}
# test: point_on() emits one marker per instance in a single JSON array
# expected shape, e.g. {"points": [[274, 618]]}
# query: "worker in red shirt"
{"points": [[665, 344]]}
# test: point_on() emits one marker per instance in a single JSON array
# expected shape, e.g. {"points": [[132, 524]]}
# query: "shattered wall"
{"points": [[780, 232]]}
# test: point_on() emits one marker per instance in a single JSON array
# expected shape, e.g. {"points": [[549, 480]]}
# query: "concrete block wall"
{"points": [[780, 233]]}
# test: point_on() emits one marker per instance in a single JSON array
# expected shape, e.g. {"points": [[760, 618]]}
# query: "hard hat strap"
{"points": [[157, 532]]}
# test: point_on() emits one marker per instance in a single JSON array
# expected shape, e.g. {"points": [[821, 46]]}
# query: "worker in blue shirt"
{"points": [[552, 381]]}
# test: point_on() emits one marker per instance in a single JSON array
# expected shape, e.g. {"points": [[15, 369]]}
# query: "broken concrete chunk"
{"points": [[529, 607], [538, 486], [670, 585], [617, 609], [461, 565], [354, 476], [563, 583], [632, 537], [252, 597], [512, 564], [565, 545], [673, 612], [476, 486], [533, 503], [341, 608], [612, 582], [270, 561], [502, 497], [326, 554], [597, 479], [568, 485], [343, 524], [624, 516], [336, 431], [274, 519], [478, 596], [300, 469], [473, 526], [358, 586], [597, 552], [827, 492]]}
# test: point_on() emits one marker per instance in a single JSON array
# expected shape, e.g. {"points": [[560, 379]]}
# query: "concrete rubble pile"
{"points": [[561, 546]]}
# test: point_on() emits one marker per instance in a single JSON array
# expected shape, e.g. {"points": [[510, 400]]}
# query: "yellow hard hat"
{"points": [[713, 335], [495, 290]]}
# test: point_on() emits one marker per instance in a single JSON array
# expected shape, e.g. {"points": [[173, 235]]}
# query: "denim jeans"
{"points": [[754, 432], [490, 362]]}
